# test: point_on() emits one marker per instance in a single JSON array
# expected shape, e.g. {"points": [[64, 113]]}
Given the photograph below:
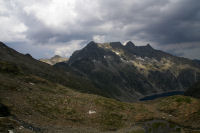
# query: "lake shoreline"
{"points": [[160, 95]]}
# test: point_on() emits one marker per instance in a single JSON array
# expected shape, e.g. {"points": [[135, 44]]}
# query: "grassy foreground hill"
{"points": [[35, 104]]}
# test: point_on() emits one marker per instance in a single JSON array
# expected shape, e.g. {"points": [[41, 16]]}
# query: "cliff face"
{"points": [[127, 72]]}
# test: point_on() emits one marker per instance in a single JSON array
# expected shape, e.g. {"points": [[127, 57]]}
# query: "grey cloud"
{"points": [[163, 22], [179, 26]]}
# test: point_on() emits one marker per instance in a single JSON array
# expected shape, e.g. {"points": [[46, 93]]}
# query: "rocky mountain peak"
{"points": [[110, 45], [116, 45], [149, 46], [129, 44], [56, 56], [53, 60], [128, 72], [91, 44], [28, 55], [94, 49], [2, 45]]}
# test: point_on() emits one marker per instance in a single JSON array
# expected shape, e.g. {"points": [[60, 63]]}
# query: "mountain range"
{"points": [[67, 97], [128, 72]]}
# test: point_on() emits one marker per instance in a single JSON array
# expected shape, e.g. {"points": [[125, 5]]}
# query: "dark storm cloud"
{"points": [[51, 22], [156, 20], [181, 25]]}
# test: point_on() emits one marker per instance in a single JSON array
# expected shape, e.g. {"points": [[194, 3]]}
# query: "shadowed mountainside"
{"points": [[194, 91], [128, 72], [14, 62]]}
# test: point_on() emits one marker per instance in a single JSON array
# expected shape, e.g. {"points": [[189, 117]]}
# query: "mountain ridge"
{"points": [[113, 70], [127, 72], [53, 60], [15, 62]]}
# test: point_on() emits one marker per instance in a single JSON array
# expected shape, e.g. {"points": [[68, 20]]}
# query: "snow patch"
{"points": [[10, 131], [31, 83], [21, 127], [140, 58], [91, 112], [117, 53]]}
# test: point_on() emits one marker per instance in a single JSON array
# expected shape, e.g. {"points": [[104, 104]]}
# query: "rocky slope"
{"points": [[55, 59], [128, 72]]}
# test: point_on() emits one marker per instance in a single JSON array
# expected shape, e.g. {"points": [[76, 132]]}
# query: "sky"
{"points": [[44, 28]]}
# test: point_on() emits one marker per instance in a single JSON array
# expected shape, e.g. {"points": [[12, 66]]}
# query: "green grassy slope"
{"points": [[48, 106]]}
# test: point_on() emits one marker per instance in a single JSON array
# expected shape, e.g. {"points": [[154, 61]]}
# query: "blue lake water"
{"points": [[166, 94]]}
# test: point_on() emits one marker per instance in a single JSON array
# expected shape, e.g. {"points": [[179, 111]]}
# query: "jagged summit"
{"points": [[149, 46], [130, 44], [97, 49], [2, 45], [91, 43], [56, 56], [28, 55], [126, 72], [107, 45]]}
